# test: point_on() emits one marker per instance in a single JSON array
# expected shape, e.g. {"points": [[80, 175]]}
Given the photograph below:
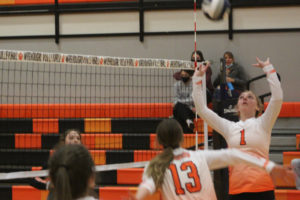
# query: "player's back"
{"points": [[188, 177]]}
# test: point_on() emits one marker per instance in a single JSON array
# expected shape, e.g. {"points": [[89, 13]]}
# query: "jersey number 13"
{"points": [[191, 170]]}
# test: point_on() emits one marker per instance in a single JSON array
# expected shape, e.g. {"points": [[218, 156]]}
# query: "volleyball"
{"points": [[215, 9]]}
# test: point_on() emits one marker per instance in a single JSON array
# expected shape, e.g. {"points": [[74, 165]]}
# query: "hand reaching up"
{"points": [[200, 70], [261, 63]]}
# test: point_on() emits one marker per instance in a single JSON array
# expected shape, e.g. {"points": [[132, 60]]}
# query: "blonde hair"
{"points": [[258, 101], [169, 135]]}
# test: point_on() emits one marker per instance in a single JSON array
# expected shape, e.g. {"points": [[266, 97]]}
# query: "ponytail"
{"points": [[71, 168], [62, 185], [169, 135], [159, 165]]}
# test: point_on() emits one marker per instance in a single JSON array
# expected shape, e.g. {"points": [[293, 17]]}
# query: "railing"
{"points": [[263, 96], [58, 7]]}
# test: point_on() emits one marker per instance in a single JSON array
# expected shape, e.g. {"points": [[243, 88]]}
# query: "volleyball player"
{"points": [[72, 173], [183, 174], [252, 133]]}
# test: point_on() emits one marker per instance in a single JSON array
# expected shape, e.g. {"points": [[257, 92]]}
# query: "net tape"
{"points": [[43, 173], [11, 55]]}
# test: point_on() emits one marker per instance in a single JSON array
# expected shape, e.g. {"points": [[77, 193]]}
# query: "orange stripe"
{"points": [[298, 141], [129, 176], [36, 168], [153, 142], [190, 140], [28, 141], [98, 156], [134, 110], [289, 109], [287, 194], [102, 141], [120, 193], [20, 192], [100, 125], [289, 156], [24, 2], [7, 2], [45, 125], [272, 71], [199, 82], [200, 127], [144, 155]]}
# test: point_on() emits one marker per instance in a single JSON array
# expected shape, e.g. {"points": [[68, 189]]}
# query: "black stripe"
{"points": [[65, 124], [134, 125], [7, 141], [117, 156], [16, 126], [136, 141], [6, 192], [49, 140]]}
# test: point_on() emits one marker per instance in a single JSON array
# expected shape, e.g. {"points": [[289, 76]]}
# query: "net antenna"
{"points": [[203, 83]]}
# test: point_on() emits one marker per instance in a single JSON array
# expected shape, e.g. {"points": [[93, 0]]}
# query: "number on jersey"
{"points": [[243, 141], [189, 169]]}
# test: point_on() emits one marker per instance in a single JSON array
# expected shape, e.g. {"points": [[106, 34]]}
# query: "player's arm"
{"points": [[220, 124], [217, 159], [146, 188], [227, 157], [270, 115]]}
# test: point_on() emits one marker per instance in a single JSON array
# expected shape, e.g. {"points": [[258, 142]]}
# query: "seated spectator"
{"points": [[235, 77], [209, 85], [72, 173], [183, 110]]}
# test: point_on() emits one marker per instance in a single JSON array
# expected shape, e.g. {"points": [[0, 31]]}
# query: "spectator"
{"points": [[235, 76], [183, 110], [209, 85], [72, 173]]}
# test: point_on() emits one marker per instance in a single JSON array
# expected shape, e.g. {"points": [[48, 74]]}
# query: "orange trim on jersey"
{"points": [[271, 71], [199, 82]]}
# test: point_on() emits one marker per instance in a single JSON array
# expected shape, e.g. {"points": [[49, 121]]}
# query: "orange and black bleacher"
{"points": [[114, 133]]}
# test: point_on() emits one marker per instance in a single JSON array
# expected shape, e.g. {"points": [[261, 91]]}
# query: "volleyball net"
{"points": [[116, 103]]}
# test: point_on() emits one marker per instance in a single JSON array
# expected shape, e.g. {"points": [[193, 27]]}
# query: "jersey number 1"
{"points": [[193, 174], [243, 141]]}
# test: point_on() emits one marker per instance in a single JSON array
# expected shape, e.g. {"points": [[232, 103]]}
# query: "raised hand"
{"points": [[200, 70], [261, 63]]}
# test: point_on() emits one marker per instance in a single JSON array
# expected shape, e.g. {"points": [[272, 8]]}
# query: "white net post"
{"points": [[205, 124]]}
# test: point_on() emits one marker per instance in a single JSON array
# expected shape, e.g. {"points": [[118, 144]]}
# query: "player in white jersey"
{"points": [[252, 133], [183, 174]]}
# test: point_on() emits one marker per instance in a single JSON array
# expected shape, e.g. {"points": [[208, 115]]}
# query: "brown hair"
{"points": [[169, 135], [62, 137], [230, 54], [71, 168]]}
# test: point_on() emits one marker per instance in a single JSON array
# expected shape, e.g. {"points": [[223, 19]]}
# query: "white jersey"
{"points": [[252, 135], [188, 176]]}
